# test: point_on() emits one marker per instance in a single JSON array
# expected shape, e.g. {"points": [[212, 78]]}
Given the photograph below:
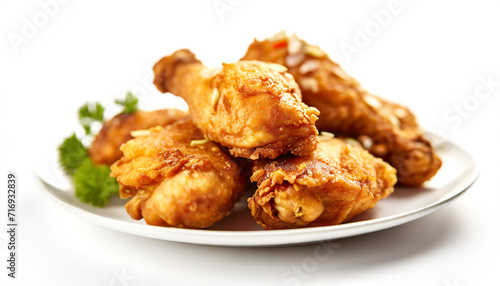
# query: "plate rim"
{"points": [[252, 238]]}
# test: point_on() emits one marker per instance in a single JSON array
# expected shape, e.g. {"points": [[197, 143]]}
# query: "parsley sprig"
{"points": [[90, 113], [92, 182], [71, 154], [129, 103]]}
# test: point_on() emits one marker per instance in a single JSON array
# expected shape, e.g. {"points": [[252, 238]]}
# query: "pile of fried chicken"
{"points": [[271, 118]]}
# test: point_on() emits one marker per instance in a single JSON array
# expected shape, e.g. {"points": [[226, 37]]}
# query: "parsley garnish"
{"points": [[93, 184], [129, 103], [71, 154], [90, 113]]}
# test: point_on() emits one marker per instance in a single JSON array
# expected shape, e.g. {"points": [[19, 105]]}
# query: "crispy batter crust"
{"points": [[334, 184], [346, 109], [106, 146], [175, 184], [253, 108]]}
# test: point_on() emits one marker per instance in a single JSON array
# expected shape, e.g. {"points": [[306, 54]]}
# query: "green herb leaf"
{"points": [[71, 154], [90, 113], [129, 103], [93, 184]]}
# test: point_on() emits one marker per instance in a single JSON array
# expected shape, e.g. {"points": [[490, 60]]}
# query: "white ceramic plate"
{"points": [[239, 229]]}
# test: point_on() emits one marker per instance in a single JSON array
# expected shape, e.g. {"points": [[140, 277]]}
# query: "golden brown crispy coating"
{"points": [[337, 182], [174, 183], [106, 146], [253, 108], [388, 130]]}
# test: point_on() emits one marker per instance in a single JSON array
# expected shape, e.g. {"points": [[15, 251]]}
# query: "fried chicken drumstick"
{"points": [[253, 108], [105, 148], [175, 181], [388, 130], [337, 182]]}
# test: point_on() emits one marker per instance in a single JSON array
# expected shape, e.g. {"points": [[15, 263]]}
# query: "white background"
{"points": [[429, 56]]}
